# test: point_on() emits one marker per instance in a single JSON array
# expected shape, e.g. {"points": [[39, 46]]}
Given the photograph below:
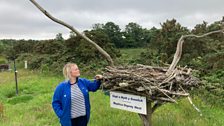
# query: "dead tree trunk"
{"points": [[103, 52], [178, 53], [147, 119]]}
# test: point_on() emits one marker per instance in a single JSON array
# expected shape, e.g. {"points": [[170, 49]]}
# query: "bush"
{"points": [[2, 61], [214, 61], [213, 87]]}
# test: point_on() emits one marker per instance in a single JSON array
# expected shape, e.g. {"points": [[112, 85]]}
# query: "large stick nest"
{"points": [[149, 81]]}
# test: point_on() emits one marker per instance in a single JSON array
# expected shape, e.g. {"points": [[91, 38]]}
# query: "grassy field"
{"points": [[32, 107], [128, 56]]}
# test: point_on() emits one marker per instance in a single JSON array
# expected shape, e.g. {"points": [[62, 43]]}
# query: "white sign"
{"points": [[128, 102]]}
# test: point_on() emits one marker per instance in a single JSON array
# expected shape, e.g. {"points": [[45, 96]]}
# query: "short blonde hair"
{"points": [[67, 70]]}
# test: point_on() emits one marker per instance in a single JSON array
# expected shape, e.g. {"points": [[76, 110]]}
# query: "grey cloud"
{"points": [[21, 16]]}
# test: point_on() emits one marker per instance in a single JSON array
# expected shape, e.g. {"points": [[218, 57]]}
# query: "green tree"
{"points": [[135, 35], [48, 47], [78, 50], [1, 48], [162, 42], [154, 38], [10, 53], [24, 46], [170, 33], [72, 34], [98, 26], [114, 33], [59, 37]]}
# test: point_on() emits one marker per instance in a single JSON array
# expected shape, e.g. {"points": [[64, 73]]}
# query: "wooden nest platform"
{"points": [[149, 81]]}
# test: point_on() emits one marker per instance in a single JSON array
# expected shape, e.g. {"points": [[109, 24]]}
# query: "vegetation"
{"points": [[35, 95], [132, 45]]}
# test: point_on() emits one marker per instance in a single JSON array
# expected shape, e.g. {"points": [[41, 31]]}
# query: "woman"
{"points": [[71, 97]]}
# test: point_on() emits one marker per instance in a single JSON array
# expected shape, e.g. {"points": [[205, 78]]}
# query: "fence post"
{"points": [[17, 92], [25, 64], [147, 119]]}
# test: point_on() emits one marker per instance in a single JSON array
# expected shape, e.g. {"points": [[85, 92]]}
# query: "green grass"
{"points": [[2, 60], [129, 56], [32, 107]]}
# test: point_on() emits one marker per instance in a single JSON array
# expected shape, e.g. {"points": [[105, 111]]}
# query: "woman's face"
{"points": [[75, 71]]}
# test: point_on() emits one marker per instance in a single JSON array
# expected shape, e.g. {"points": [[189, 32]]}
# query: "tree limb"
{"points": [[103, 52], [178, 53]]}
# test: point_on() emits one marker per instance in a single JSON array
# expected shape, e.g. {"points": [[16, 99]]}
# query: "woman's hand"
{"points": [[99, 77]]}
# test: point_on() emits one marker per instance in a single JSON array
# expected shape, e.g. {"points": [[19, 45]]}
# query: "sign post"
{"points": [[128, 102]]}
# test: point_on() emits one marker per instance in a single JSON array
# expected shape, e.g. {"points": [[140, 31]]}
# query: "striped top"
{"points": [[77, 102]]}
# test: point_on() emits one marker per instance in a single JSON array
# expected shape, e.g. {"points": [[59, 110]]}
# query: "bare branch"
{"points": [[175, 93], [189, 99], [178, 53], [103, 52], [138, 80]]}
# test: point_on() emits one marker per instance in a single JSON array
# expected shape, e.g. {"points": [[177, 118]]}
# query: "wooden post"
{"points": [[147, 119], [17, 91], [25, 65]]}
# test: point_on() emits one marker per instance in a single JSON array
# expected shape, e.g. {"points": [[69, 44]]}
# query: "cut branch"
{"points": [[103, 52], [178, 53]]}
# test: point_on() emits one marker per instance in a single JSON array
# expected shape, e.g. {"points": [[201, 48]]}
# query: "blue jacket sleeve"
{"points": [[56, 102], [93, 85]]}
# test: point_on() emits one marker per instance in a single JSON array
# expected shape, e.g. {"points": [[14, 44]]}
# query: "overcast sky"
{"points": [[20, 19]]}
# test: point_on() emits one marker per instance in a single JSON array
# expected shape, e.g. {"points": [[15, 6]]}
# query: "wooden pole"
{"points": [[17, 91], [147, 119]]}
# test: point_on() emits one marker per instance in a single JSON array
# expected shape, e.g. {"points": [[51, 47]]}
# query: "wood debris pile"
{"points": [[149, 81]]}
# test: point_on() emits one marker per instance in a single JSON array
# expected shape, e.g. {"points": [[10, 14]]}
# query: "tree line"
{"points": [[205, 53]]}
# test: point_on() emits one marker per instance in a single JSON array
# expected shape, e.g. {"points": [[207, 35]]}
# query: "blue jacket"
{"points": [[62, 99]]}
